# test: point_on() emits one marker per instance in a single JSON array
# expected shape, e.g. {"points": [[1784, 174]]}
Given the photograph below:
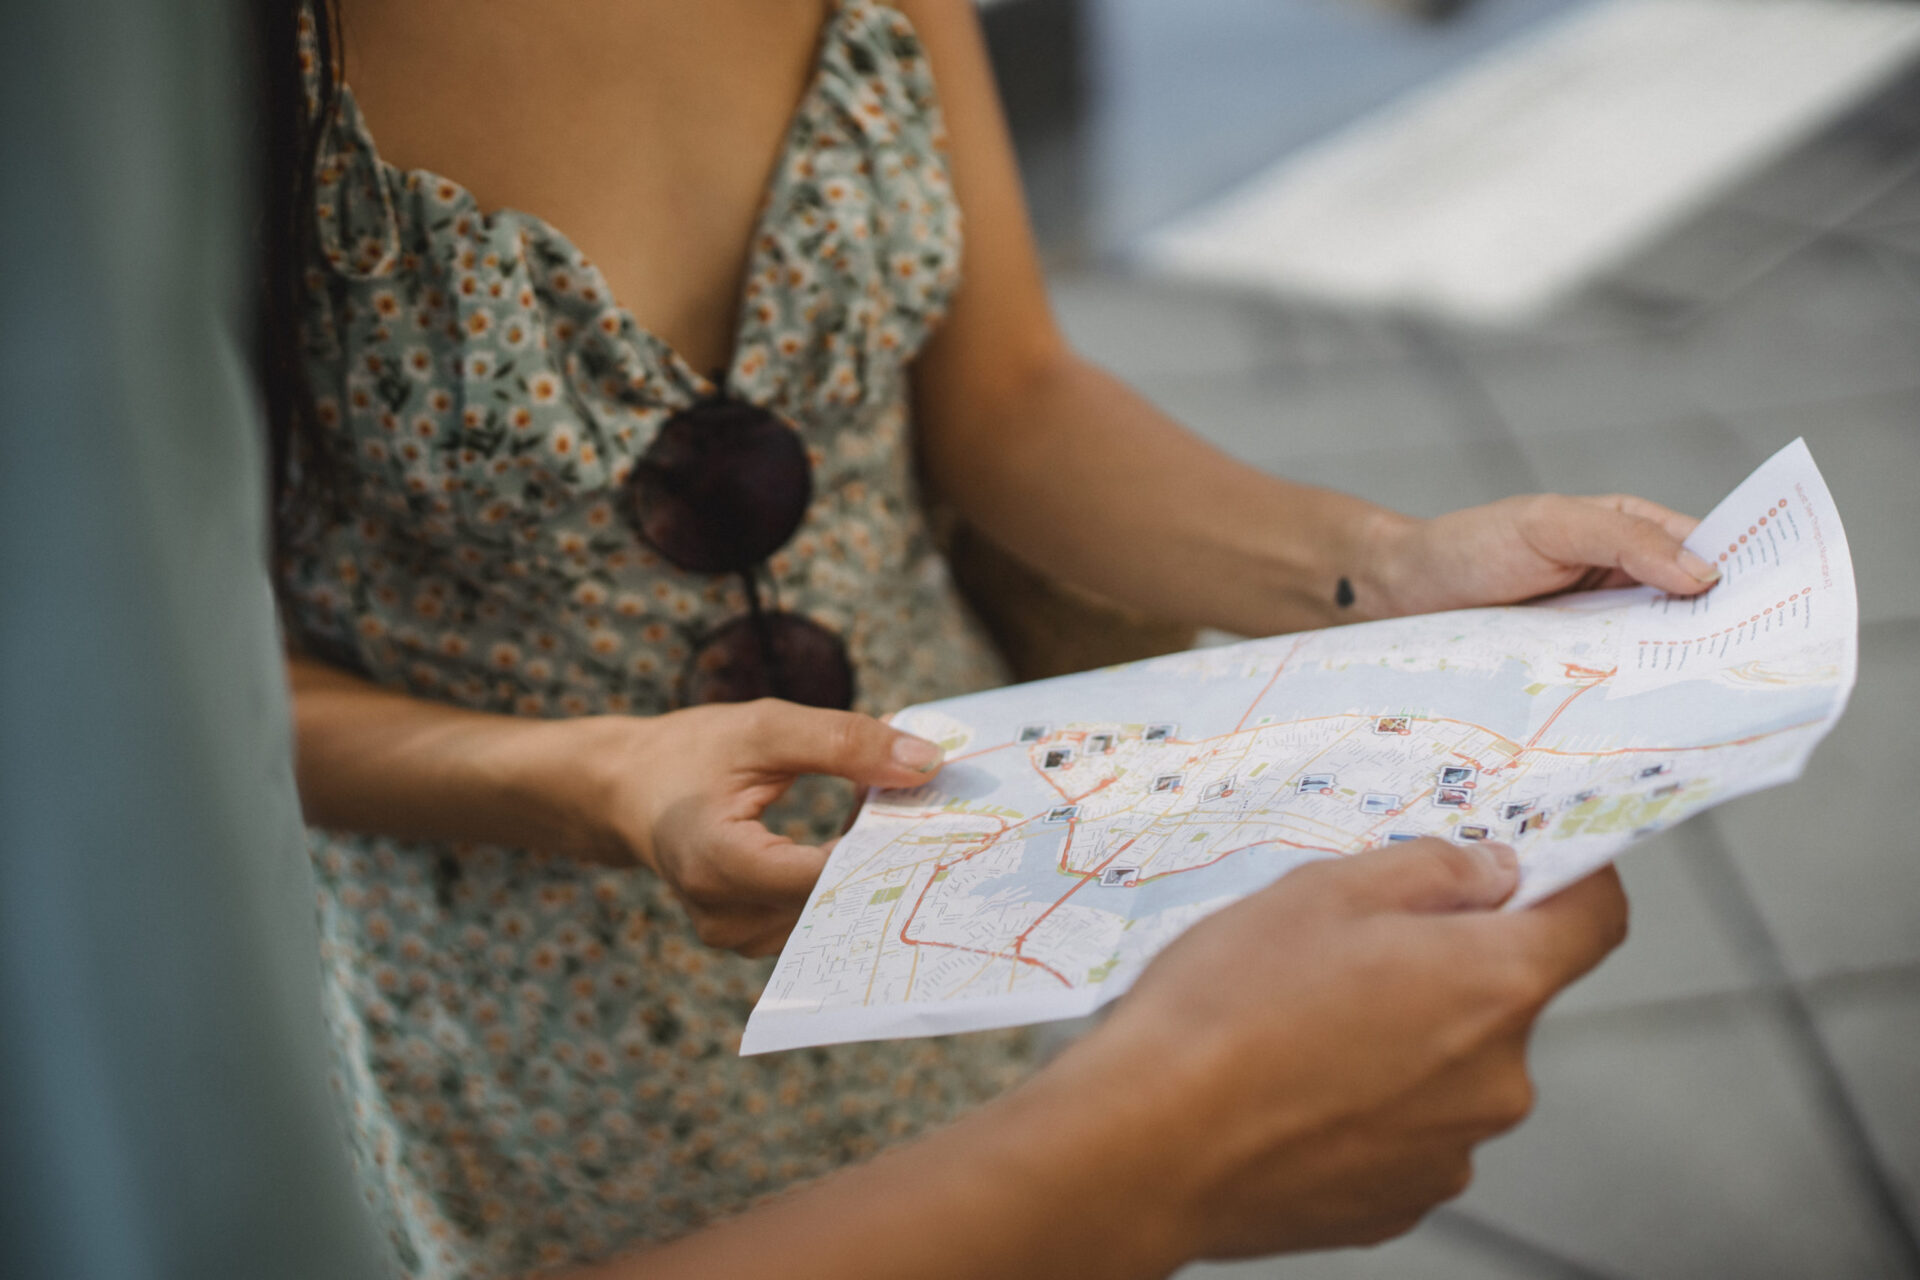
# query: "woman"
{"points": [[541, 573]]}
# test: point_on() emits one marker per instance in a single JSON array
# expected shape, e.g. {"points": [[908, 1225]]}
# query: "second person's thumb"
{"points": [[1432, 874]]}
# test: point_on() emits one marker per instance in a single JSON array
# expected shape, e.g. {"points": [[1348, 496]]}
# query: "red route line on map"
{"points": [[984, 751], [986, 838], [1042, 773], [979, 951], [1599, 678], [1093, 874], [1269, 684]]}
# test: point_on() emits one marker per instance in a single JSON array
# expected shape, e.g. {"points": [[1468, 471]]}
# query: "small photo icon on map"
{"points": [[1400, 837], [1167, 782], [1379, 802], [1100, 744], [1533, 822], [1161, 732], [1118, 877], [1393, 724], [1473, 833], [1063, 813], [1671, 789], [1581, 797], [1655, 770], [1315, 782], [1216, 790], [1453, 798], [1032, 733], [1514, 808], [1457, 775], [1056, 757]]}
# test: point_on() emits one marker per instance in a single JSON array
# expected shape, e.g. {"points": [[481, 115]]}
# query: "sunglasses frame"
{"points": [[725, 484]]}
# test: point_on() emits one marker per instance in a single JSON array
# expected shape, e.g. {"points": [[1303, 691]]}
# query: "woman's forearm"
{"points": [[1076, 473], [374, 760]]}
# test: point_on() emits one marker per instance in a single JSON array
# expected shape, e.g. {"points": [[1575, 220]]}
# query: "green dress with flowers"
{"points": [[540, 1060]]}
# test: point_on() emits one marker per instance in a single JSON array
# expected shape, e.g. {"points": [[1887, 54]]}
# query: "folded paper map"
{"points": [[1081, 823]]}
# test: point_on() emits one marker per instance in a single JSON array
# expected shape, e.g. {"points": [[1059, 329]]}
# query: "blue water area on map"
{"points": [[1236, 875], [1692, 713], [1497, 699], [1144, 695], [1039, 880]]}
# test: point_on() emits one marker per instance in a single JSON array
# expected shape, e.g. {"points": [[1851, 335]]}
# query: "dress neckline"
{"points": [[700, 384]]}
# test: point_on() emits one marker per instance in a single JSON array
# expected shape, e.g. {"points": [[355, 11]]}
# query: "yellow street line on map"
{"points": [[1302, 769], [991, 961], [886, 931]]}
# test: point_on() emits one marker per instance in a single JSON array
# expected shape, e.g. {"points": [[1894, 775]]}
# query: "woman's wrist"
{"points": [[563, 779], [1385, 566]]}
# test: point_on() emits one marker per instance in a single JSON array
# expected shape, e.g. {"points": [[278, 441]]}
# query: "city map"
{"points": [[1081, 823]]}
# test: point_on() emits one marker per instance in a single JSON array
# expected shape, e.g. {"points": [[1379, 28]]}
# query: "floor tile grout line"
{"points": [[1905, 282], [1593, 1020], [1841, 217], [1467, 394], [1472, 1229], [1727, 885], [1753, 272]]}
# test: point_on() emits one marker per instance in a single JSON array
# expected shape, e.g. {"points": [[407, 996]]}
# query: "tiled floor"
{"points": [[1737, 1092]]}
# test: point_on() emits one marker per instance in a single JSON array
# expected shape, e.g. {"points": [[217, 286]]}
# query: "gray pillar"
{"points": [[163, 1109]]}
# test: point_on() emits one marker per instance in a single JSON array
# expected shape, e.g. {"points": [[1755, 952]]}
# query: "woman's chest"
{"points": [[649, 132]]}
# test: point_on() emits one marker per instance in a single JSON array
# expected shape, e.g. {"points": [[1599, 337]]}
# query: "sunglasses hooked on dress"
{"points": [[724, 485]]}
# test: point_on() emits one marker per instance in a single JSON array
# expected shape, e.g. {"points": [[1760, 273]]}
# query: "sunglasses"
{"points": [[722, 487]]}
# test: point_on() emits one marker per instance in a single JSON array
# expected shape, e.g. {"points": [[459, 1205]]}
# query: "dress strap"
{"points": [[308, 26], [354, 214]]}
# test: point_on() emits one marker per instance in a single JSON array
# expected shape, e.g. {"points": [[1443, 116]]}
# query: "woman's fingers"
{"points": [[1677, 524], [713, 771], [786, 738], [742, 865], [1572, 531], [744, 893]]}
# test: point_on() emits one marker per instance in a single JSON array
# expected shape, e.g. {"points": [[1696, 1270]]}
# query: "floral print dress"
{"points": [[540, 1059]]}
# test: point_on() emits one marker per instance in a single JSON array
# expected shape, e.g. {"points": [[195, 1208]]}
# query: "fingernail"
{"points": [[1500, 856], [1698, 567], [916, 753]]}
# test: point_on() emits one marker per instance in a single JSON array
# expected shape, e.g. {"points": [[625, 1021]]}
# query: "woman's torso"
{"points": [[648, 131], [540, 1058]]}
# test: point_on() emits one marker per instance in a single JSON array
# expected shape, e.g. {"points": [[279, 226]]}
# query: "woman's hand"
{"points": [[680, 793], [683, 793], [1521, 548]]}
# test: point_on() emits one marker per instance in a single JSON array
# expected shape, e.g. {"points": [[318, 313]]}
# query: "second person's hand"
{"points": [[1325, 1055]]}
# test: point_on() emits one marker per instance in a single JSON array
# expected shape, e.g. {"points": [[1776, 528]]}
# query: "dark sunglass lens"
{"points": [[798, 660], [721, 487]]}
